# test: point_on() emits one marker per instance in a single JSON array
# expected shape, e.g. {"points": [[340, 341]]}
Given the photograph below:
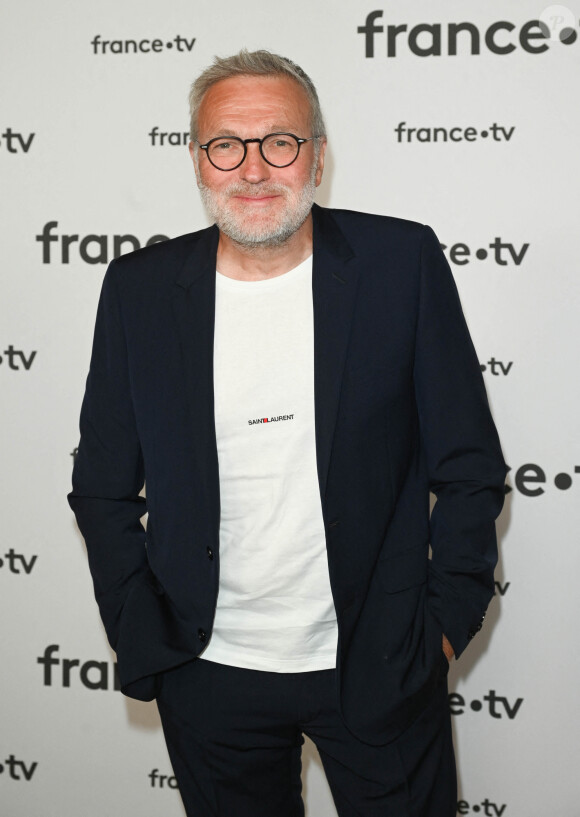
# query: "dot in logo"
{"points": [[568, 35], [476, 705], [1, 768], [563, 481], [481, 254], [557, 23], [477, 808], [483, 367], [1, 564], [484, 134], [169, 45]]}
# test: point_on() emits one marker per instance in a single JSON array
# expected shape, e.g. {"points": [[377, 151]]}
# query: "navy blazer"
{"points": [[400, 410]]}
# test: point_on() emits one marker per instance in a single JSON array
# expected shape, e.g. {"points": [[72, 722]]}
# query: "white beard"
{"points": [[253, 229]]}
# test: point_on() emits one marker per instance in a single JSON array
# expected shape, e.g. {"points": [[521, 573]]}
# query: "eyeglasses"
{"points": [[277, 149]]}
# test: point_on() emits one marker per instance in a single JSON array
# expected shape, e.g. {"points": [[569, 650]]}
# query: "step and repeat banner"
{"points": [[460, 115]]}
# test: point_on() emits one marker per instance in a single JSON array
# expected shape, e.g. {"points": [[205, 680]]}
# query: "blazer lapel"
{"points": [[334, 282], [194, 311]]}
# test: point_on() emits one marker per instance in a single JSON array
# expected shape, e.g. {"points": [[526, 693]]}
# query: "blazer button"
{"points": [[202, 635], [210, 553]]}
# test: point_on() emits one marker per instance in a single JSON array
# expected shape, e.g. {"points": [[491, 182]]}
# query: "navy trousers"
{"points": [[235, 737]]}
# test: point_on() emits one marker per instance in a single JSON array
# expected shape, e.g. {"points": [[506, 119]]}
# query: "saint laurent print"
{"points": [[271, 420]]}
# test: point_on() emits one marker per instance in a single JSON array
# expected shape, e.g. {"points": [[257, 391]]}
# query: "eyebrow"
{"points": [[269, 128]]}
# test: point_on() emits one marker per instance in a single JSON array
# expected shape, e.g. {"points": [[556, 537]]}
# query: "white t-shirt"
{"points": [[274, 610]]}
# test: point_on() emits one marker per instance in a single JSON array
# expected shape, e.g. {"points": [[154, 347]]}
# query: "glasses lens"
{"points": [[226, 153], [280, 149]]}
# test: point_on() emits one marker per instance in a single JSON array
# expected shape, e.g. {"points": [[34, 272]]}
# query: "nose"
{"points": [[254, 169]]}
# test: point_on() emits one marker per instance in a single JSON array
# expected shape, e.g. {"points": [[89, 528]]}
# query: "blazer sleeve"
{"points": [[108, 472], [464, 458]]}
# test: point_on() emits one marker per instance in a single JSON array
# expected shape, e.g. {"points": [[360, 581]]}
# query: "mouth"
{"points": [[256, 200]]}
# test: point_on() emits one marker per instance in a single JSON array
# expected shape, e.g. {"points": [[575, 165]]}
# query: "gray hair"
{"points": [[253, 63]]}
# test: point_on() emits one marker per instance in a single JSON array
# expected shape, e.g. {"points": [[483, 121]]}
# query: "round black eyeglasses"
{"points": [[277, 149]]}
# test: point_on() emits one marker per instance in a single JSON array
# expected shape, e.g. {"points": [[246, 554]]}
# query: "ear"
{"points": [[193, 154], [320, 162]]}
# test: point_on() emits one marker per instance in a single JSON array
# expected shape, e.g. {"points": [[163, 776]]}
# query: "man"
{"points": [[290, 384]]}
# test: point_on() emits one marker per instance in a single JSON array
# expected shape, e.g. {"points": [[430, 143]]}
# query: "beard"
{"points": [[252, 229]]}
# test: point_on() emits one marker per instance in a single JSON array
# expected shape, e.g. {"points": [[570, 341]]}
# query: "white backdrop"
{"points": [[501, 192]]}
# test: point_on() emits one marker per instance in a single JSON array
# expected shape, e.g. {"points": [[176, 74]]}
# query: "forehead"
{"points": [[246, 106]]}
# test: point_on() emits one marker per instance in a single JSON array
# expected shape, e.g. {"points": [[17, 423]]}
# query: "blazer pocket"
{"points": [[404, 570]]}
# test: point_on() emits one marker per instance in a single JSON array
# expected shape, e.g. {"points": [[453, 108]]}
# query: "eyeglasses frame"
{"points": [[246, 142]]}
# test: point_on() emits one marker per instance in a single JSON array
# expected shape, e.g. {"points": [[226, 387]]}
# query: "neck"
{"points": [[256, 263]]}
